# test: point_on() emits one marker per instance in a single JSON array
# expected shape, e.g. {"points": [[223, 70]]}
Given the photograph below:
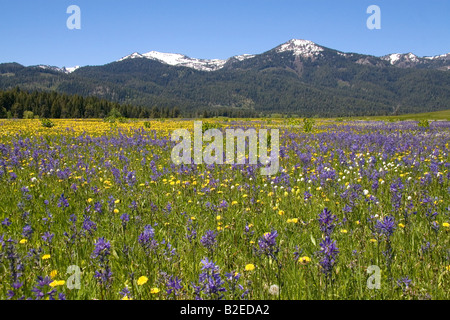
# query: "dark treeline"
{"points": [[17, 103]]}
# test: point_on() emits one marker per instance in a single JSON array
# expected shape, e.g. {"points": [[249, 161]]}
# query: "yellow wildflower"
{"points": [[250, 267], [304, 260], [57, 283], [142, 280]]}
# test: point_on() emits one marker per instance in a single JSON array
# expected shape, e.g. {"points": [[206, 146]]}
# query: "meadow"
{"points": [[97, 210]]}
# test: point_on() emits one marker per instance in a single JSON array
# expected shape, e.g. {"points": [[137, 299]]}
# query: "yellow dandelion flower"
{"points": [[23, 241], [116, 210], [281, 212], [53, 274], [250, 267], [57, 283], [45, 257], [126, 298], [401, 225], [142, 280], [154, 290], [304, 260], [446, 225], [373, 240], [344, 231]]}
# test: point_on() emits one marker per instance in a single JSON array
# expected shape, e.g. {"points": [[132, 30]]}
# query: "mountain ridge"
{"points": [[304, 48], [296, 77]]}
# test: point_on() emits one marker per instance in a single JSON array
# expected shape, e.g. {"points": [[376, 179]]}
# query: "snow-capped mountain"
{"points": [[440, 57], [57, 69], [299, 48], [303, 48], [409, 60], [176, 59], [298, 77], [70, 70], [398, 57]]}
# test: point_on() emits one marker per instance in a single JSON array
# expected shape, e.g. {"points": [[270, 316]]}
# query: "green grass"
{"points": [[437, 115]]}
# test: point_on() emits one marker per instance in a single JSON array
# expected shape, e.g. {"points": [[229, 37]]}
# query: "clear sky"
{"points": [[35, 32]]}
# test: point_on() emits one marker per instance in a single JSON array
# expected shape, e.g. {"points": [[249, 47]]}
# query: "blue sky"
{"points": [[35, 32]]}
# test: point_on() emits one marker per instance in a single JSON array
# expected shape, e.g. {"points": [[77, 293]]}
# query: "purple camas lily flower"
{"points": [[386, 226], [191, 233], [174, 286], [125, 219], [98, 207], [268, 245], [404, 283], [102, 249], [209, 240], [327, 222], [6, 222], [48, 237], [43, 290], [88, 225], [210, 281], [101, 253], [328, 253], [146, 240], [27, 231], [63, 202]]}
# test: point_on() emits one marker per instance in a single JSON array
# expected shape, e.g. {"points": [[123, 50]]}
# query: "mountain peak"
{"points": [[300, 47], [396, 58], [177, 59]]}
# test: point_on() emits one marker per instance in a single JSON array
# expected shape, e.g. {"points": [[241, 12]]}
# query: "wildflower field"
{"points": [[96, 210]]}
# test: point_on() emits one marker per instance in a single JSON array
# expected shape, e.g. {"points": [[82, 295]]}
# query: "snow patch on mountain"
{"points": [[70, 70], [176, 59], [57, 69], [303, 48], [442, 56], [392, 58], [243, 57], [343, 54]]}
